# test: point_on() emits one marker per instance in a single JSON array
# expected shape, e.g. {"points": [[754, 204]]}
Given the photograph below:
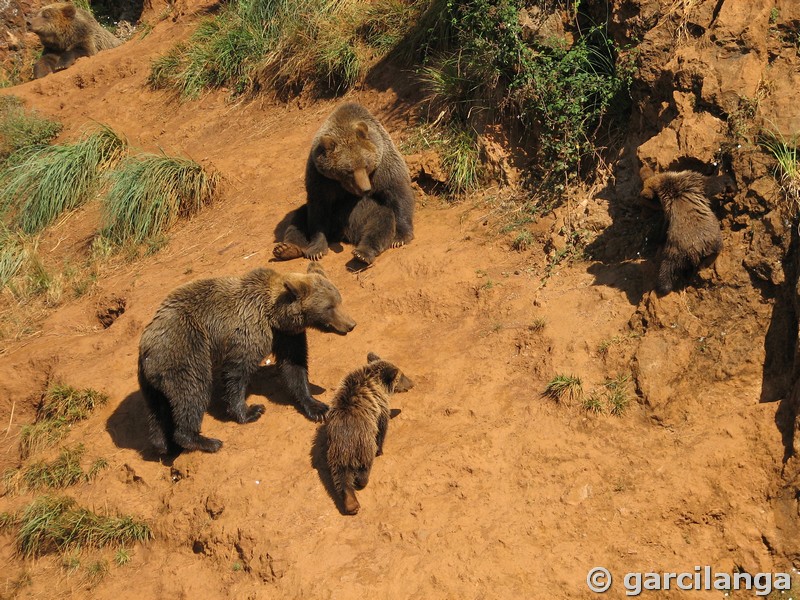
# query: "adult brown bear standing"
{"points": [[222, 329], [358, 188]]}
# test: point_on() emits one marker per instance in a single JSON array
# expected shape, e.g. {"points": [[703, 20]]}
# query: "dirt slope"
{"points": [[486, 489]]}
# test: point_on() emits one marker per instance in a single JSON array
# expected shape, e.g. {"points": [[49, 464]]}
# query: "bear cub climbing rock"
{"points": [[693, 232], [218, 331], [358, 189], [357, 424], [67, 33]]}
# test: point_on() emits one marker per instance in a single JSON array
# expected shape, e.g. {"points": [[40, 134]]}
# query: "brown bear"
{"points": [[218, 331], [693, 232], [67, 33], [356, 425], [357, 189]]}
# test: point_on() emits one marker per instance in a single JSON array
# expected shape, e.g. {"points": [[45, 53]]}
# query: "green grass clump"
{"points": [[57, 524], [284, 45], [41, 182], [20, 128], [617, 395], [64, 471], [61, 407], [564, 388], [787, 170], [149, 192]]}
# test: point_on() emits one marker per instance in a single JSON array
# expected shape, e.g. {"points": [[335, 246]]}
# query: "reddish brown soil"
{"points": [[486, 489]]}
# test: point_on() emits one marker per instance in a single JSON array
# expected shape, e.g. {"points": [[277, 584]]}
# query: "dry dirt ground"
{"points": [[486, 488]]}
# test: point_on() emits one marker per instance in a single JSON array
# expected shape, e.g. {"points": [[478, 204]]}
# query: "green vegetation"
{"points": [[537, 324], [41, 182], [787, 170], [57, 524], [284, 45], [61, 407], [149, 192], [479, 67], [20, 128], [523, 241], [122, 557], [617, 395], [64, 471], [564, 388]]}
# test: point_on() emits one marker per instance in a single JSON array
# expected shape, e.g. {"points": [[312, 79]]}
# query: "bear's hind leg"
{"points": [[235, 377], [189, 399]]}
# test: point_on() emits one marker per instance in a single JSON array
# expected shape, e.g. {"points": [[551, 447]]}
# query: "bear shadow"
{"points": [[319, 462], [129, 428], [267, 382]]}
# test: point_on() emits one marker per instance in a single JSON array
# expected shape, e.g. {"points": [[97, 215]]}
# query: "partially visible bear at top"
{"points": [[358, 189], [67, 34]]}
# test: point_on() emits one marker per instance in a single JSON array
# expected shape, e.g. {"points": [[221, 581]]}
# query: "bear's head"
{"points": [[316, 302], [350, 156], [391, 377], [53, 24]]}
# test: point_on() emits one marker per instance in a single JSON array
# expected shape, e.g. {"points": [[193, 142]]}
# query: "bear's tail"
{"points": [[162, 425]]}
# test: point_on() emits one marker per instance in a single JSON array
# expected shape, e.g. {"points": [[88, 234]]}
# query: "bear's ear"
{"points": [[372, 357], [297, 287], [389, 375], [314, 268], [68, 11], [362, 130], [327, 143]]}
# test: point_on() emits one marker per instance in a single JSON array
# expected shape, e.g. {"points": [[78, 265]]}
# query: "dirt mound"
{"points": [[486, 488]]}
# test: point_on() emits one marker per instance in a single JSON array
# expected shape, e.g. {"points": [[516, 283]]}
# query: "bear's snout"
{"points": [[343, 325], [362, 183]]}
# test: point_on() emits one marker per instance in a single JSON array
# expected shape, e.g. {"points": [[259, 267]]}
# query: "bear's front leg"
{"points": [[291, 353], [317, 247]]}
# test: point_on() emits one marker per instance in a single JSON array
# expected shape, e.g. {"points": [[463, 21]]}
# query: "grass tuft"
{"points": [[149, 192], [618, 395], [286, 45], [122, 557], [787, 171], [61, 407], [564, 388], [57, 524], [20, 128], [42, 182]]}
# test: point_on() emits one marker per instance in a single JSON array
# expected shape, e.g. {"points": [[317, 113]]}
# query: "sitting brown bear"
{"points": [[67, 33]]}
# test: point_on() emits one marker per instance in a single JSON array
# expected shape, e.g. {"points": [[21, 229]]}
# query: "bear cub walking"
{"points": [[218, 331], [357, 189], [357, 424], [67, 33], [693, 232]]}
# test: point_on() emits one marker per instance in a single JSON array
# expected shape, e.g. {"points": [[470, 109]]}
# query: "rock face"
{"points": [[713, 74]]}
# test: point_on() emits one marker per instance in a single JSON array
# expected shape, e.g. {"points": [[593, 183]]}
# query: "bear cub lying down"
{"points": [[218, 331]]}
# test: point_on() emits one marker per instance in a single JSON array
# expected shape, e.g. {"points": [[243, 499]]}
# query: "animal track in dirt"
{"points": [[110, 309]]}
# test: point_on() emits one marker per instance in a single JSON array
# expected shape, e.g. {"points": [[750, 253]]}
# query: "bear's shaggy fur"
{"points": [[67, 33], [220, 330], [357, 188], [357, 424], [693, 232]]}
